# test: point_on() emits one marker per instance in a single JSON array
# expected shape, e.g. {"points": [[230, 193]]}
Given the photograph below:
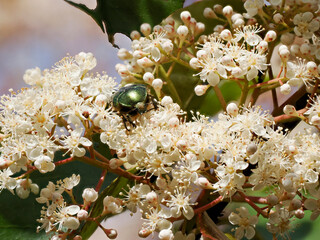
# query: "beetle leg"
{"points": [[128, 118]]}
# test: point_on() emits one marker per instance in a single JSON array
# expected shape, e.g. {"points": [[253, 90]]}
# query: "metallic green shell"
{"points": [[129, 96]]}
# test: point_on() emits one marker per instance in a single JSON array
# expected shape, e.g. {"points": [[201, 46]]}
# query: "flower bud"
{"points": [[201, 54], [161, 183], [145, 62], [227, 11], [152, 198], [238, 23], [290, 110], [299, 213], [181, 144], [145, 28], [232, 109], [90, 195], [200, 27], [209, 13], [135, 35], [305, 49], [78, 237], [277, 18], [101, 100], [124, 54], [270, 36], [284, 54], [166, 101], [287, 38], [201, 89], [143, 233], [182, 31], [218, 8], [295, 204], [111, 233], [251, 148], [166, 234], [139, 54], [218, 28], [295, 49], [226, 35], [194, 63], [114, 163], [285, 89], [272, 200], [185, 17], [312, 67], [82, 214], [173, 122], [157, 84], [288, 184], [167, 47], [157, 29], [169, 20], [292, 149], [315, 120], [262, 46], [148, 77], [204, 183]]}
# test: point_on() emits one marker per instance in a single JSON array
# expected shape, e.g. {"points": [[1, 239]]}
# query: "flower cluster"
{"points": [[180, 163]]}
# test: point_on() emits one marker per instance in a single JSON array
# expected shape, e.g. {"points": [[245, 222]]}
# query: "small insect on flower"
{"points": [[132, 100]]}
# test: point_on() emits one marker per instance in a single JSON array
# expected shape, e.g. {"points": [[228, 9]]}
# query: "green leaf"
{"points": [[123, 16], [18, 216]]}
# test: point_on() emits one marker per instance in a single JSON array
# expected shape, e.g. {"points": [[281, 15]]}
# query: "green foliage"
{"points": [[122, 16], [18, 216]]}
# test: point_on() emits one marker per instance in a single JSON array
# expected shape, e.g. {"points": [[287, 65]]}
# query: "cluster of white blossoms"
{"points": [[224, 57], [176, 162], [48, 117]]}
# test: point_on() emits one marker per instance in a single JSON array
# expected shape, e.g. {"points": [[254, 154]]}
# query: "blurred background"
{"points": [[38, 33]]}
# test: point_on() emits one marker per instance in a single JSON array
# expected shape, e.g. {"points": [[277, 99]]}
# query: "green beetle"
{"points": [[131, 100]]}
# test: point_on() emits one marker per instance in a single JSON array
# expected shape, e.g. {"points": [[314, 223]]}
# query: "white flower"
{"points": [[74, 141], [89, 195], [245, 222], [86, 61], [279, 221], [306, 25], [6, 182], [71, 182], [252, 6], [249, 33], [180, 201]]}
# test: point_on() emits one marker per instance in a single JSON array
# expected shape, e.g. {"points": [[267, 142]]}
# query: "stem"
{"points": [[69, 192], [171, 86], [101, 180], [252, 204], [181, 62], [276, 80], [285, 118], [220, 97], [209, 205], [244, 93], [64, 161], [118, 171]]}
